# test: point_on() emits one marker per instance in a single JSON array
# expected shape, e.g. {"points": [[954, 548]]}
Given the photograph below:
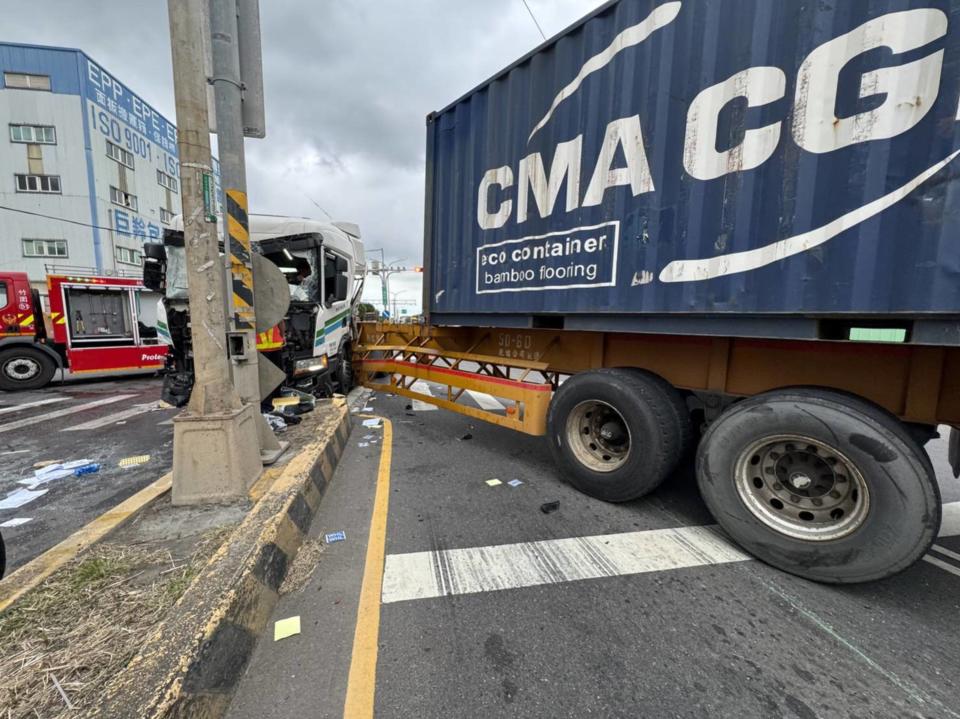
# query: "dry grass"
{"points": [[62, 643]]}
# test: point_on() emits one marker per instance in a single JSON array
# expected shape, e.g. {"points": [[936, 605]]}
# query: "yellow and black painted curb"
{"points": [[193, 661]]}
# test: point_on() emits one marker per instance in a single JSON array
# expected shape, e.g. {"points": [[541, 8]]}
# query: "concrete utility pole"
{"points": [[227, 84], [214, 442]]}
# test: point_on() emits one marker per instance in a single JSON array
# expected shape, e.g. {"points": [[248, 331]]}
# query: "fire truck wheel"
{"points": [[614, 433], [25, 368], [820, 484]]}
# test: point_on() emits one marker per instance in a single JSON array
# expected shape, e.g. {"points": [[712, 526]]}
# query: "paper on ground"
{"points": [[363, 444], [368, 409], [371, 422], [284, 628], [134, 461], [515, 482], [20, 498], [16, 522], [493, 482]]}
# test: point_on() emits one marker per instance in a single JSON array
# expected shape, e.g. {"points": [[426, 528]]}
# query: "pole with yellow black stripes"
{"points": [[214, 441], [227, 19]]}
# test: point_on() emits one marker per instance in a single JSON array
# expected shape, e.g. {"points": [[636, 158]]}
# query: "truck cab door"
{"points": [[333, 322]]}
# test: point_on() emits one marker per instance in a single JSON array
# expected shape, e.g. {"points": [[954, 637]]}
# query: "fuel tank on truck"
{"points": [[740, 167]]}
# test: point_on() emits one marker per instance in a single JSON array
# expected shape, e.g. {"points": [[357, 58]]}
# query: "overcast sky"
{"points": [[348, 85]]}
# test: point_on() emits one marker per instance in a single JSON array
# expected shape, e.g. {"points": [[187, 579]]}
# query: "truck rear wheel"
{"points": [[820, 484], [23, 367], [614, 433]]}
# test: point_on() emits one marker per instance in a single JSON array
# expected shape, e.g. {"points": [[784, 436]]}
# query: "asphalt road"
{"points": [[478, 616], [100, 420]]}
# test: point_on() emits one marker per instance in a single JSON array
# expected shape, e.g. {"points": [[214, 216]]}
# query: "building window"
{"points": [[166, 217], [41, 134], [26, 81], [124, 199], [38, 183], [115, 152], [44, 248], [128, 256], [165, 180]]}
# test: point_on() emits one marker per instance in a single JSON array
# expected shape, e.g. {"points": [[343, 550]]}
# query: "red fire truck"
{"points": [[95, 323]]}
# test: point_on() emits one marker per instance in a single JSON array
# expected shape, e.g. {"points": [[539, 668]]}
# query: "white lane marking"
{"points": [[165, 422], [950, 525], [18, 424], [734, 262], [423, 575], [486, 401], [941, 564], [423, 388], [945, 552], [28, 405], [112, 418]]}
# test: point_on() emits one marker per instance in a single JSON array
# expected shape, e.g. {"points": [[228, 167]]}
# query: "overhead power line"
{"points": [[534, 18], [52, 217]]}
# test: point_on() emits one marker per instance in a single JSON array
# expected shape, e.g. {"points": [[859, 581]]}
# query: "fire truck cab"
{"points": [[95, 324]]}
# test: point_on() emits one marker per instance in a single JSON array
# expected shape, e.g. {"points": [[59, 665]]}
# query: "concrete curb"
{"points": [[194, 660]]}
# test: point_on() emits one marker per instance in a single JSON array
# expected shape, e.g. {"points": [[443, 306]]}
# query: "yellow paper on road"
{"points": [[134, 461], [493, 482], [286, 628]]}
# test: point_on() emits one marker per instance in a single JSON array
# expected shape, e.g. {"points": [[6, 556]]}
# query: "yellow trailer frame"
{"points": [[916, 383]]}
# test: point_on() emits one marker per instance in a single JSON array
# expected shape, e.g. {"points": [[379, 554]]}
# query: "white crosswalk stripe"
{"points": [[424, 575], [28, 405], [423, 388], [112, 418], [486, 401], [47, 416]]}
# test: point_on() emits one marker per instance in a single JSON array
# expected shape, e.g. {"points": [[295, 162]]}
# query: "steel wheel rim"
{"points": [[21, 369], [802, 488], [598, 436]]}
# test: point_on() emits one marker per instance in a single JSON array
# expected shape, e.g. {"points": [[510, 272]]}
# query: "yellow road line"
{"points": [[362, 681], [39, 568]]}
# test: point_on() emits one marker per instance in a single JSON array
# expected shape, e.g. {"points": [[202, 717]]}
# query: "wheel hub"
{"points": [[802, 488], [21, 369], [598, 436]]}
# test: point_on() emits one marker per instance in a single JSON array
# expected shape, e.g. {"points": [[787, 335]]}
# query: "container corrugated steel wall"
{"points": [[735, 156]]}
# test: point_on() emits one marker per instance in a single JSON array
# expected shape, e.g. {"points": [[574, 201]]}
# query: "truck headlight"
{"points": [[309, 365]]}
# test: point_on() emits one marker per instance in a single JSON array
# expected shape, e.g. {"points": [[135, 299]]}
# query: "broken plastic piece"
{"points": [[549, 507], [465, 437], [134, 461], [334, 537], [493, 482], [284, 628], [514, 482], [87, 469]]}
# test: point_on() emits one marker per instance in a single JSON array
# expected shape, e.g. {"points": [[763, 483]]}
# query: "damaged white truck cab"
{"points": [[323, 267]]}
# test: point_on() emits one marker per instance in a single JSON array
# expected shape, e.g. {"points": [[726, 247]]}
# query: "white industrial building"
{"points": [[90, 170]]}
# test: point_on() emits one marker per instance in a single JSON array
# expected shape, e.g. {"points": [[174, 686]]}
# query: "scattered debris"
{"points": [[335, 537], [368, 409], [123, 421], [15, 451], [465, 437], [16, 522], [375, 422], [45, 463], [302, 568], [369, 436], [57, 470], [87, 469], [164, 405], [277, 424], [279, 402], [515, 482], [494, 482], [134, 461], [20, 498], [363, 444], [285, 628], [408, 407], [549, 507]]}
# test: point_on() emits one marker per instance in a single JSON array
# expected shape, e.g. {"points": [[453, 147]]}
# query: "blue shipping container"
{"points": [[717, 158]]}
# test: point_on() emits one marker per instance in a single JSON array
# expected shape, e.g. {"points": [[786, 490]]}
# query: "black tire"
{"points": [[23, 367], [345, 369], [635, 404], [681, 413], [880, 481]]}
